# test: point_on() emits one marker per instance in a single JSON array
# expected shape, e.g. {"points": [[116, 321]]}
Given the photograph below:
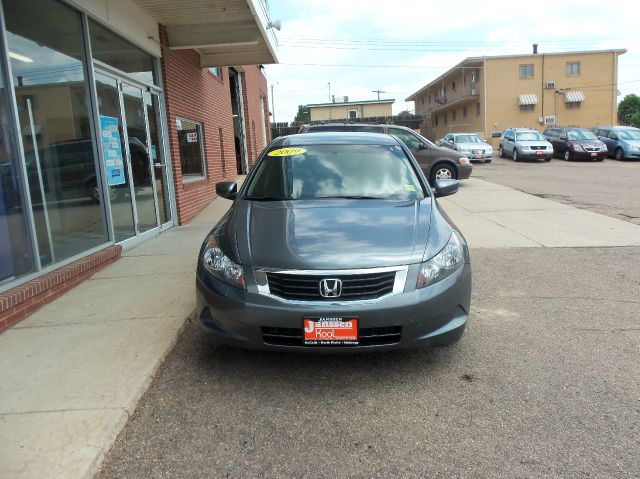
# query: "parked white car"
{"points": [[470, 145]]}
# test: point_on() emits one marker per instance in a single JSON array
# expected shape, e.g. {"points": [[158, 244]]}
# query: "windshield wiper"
{"points": [[267, 198], [354, 197]]}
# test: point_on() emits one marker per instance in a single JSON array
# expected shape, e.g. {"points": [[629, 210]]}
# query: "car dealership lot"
{"points": [[543, 384]]}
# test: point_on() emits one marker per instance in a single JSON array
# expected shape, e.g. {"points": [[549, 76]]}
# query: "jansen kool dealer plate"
{"points": [[331, 331]]}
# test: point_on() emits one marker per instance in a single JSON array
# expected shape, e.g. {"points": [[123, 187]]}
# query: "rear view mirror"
{"points": [[227, 189], [446, 187]]}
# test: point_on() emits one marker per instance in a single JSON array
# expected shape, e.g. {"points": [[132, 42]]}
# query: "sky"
{"points": [[358, 46]]}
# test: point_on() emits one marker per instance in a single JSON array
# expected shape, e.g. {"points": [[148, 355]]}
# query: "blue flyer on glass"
{"points": [[112, 148]]}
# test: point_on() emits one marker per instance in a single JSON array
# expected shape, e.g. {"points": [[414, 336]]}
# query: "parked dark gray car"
{"points": [[335, 242], [437, 163]]}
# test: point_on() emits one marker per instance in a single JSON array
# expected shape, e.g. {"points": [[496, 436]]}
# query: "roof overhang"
{"points": [[224, 32]]}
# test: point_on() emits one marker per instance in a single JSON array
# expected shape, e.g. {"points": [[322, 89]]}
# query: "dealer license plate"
{"points": [[478, 157], [594, 154], [331, 331], [539, 152]]}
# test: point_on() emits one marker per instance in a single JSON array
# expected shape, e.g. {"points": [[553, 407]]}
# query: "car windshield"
{"points": [[629, 134], [581, 135], [529, 136], [335, 171], [468, 139]]}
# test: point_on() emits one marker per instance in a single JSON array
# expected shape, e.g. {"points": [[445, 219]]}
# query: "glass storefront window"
{"points": [[191, 147], [115, 51], [15, 249], [45, 45]]}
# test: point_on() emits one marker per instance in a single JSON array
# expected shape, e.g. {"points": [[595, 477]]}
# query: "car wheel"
{"points": [[567, 155], [547, 159], [500, 152], [515, 154], [442, 172], [619, 154], [487, 161]]}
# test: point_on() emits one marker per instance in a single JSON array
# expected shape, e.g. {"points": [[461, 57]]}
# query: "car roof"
{"points": [[460, 134], [522, 129], [335, 137]]}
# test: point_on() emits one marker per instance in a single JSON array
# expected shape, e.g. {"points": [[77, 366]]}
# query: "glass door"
{"points": [[139, 157], [128, 156], [113, 137], [156, 152]]}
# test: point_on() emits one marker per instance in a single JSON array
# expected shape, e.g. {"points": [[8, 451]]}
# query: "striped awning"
{"points": [[528, 99], [573, 96]]}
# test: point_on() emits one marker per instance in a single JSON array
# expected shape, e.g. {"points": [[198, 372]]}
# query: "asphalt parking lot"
{"points": [[608, 187], [544, 384]]}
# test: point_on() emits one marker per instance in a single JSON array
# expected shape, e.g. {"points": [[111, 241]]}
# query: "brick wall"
{"points": [[194, 93], [254, 84]]}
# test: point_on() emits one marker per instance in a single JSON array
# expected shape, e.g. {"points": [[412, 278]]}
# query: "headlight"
{"points": [[219, 265], [525, 147], [464, 161], [443, 264], [577, 148]]}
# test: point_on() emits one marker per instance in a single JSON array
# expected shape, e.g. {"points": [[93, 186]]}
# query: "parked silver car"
{"points": [[524, 143], [470, 145]]}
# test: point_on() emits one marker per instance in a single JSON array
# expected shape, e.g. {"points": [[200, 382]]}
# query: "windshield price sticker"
{"points": [[287, 152], [330, 332]]}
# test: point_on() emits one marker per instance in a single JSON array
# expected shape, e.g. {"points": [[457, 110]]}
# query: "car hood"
{"points": [[586, 142], [330, 234], [475, 146], [534, 143]]}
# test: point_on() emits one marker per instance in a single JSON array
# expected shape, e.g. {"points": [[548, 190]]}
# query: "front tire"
{"points": [[515, 154], [501, 152], [567, 155], [442, 172], [619, 154]]}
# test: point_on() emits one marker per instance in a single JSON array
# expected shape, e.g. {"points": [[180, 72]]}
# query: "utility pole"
{"points": [[329, 84], [378, 92]]}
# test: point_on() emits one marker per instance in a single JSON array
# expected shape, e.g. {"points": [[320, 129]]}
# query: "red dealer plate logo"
{"points": [[330, 331]]}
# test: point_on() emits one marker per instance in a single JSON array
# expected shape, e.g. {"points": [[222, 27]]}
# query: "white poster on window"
{"points": [[192, 137]]}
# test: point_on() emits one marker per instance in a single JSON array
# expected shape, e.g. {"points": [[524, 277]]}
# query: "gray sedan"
{"points": [[470, 145], [334, 243]]}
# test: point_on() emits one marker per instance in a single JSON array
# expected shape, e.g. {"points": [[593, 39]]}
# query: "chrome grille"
{"points": [[592, 148], [306, 287], [536, 147]]}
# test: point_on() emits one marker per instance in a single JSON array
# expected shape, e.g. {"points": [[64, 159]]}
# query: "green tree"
{"points": [[635, 120], [303, 115], [629, 110]]}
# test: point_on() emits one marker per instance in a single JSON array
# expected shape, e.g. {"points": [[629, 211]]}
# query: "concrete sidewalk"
{"points": [[73, 372]]}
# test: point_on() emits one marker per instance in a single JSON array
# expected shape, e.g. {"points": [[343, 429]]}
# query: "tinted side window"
{"points": [[407, 138]]}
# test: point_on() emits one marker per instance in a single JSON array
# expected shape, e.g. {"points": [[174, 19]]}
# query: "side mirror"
{"points": [[446, 187], [227, 189], [422, 146]]}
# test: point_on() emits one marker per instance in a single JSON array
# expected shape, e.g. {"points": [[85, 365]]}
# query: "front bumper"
{"points": [[433, 316], [546, 154], [586, 155], [484, 156], [464, 171]]}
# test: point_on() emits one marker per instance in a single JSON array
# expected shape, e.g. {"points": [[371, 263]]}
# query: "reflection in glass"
{"points": [[157, 156], [15, 251], [120, 197], [140, 164], [115, 51], [45, 45]]}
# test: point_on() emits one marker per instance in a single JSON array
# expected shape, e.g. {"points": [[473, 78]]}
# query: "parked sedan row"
{"points": [[571, 143]]}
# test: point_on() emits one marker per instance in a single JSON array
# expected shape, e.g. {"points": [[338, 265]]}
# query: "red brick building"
{"points": [[140, 98]]}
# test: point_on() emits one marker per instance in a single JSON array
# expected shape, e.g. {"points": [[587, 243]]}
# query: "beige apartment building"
{"points": [[349, 110], [485, 95]]}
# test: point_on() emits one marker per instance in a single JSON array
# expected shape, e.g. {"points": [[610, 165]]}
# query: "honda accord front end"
{"points": [[334, 243]]}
